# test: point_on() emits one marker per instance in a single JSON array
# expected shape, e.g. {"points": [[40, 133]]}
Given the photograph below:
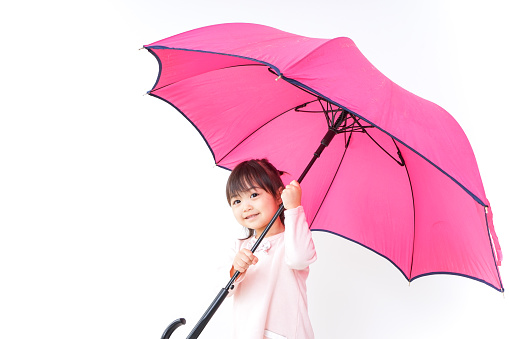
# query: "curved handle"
{"points": [[172, 327]]}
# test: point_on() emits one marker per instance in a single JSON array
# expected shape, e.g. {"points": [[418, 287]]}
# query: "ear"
{"points": [[279, 191]]}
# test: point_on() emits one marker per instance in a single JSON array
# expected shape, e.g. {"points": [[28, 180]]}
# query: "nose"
{"points": [[247, 206]]}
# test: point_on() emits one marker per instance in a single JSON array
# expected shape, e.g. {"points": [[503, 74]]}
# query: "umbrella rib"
{"points": [[413, 205], [309, 90], [256, 130], [492, 250], [318, 94], [217, 69], [325, 111], [332, 181], [355, 125], [347, 143], [401, 163]]}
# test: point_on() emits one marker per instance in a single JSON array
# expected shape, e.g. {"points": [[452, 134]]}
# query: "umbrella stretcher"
{"points": [[400, 177]]}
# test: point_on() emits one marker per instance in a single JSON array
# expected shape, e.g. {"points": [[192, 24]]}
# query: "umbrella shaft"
{"points": [[224, 291], [257, 243], [324, 143]]}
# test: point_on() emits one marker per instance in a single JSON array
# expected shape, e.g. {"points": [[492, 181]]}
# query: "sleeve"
{"points": [[299, 247]]}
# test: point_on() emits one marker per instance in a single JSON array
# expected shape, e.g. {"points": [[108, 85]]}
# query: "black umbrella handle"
{"points": [[324, 143], [223, 293], [172, 327]]}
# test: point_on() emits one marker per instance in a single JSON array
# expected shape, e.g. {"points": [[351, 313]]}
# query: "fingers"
{"points": [[243, 260], [293, 186], [294, 183], [291, 195]]}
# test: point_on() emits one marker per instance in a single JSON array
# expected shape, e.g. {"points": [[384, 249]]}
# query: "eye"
{"points": [[235, 202], [254, 195]]}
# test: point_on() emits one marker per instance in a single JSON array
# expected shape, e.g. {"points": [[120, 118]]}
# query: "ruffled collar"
{"points": [[265, 245]]}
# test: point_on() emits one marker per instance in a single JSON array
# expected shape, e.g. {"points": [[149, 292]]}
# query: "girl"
{"points": [[270, 295]]}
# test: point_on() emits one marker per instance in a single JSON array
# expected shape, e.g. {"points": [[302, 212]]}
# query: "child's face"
{"points": [[254, 208]]}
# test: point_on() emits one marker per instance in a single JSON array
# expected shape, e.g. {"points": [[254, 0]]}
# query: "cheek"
{"points": [[272, 204], [236, 213]]}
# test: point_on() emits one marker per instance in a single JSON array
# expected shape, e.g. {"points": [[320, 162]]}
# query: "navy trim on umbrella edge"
{"points": [[301, 85], [226, 168], [358, 243], [460, 275], [416, 277], [209, 52], [297, 83], [160, 69], [479, 201], [178, 110]]}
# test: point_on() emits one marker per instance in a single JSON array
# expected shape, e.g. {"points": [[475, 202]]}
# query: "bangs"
{"points": [[250, 175]]}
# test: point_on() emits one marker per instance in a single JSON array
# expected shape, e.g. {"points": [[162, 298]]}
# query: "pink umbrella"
{"points": [[400, 179]]}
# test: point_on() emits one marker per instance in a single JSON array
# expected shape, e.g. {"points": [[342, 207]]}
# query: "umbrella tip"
{"points": [[141, 48]]}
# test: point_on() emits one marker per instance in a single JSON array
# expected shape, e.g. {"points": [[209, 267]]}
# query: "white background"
{"points": [[113, 217]]}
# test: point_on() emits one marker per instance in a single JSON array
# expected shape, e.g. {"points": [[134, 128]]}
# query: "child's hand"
{"points": [[291, 195], [243, 260]]}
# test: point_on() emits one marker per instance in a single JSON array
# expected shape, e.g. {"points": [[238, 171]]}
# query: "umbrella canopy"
{"points": [[401, 180]]}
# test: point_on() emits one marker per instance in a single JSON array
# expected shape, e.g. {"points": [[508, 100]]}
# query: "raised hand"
{"points": [[291, 195]]}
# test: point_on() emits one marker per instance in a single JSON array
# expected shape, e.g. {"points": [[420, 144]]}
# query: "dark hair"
{"points": [[255, 173]]}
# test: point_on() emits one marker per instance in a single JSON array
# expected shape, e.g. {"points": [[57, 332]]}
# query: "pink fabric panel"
{"points": [[340, 72], [249, 40], [178, 65], [224, 129], [292, 150], [337, 69], [494, 237], [451, 232], [371, 201]]}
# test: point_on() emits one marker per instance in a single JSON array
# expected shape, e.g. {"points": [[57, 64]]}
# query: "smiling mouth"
{"points": [[251, 216]]}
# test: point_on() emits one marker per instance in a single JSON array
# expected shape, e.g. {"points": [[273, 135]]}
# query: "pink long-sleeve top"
{"points": [[270, 298]]}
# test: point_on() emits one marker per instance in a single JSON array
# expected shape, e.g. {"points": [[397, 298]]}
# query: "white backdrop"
{"points": [[113, 217]]}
